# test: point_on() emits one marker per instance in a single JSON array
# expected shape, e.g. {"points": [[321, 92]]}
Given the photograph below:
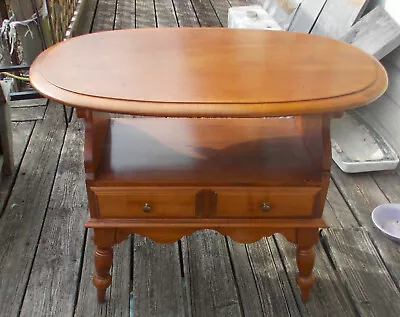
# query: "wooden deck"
{"points": [[46, 260]]}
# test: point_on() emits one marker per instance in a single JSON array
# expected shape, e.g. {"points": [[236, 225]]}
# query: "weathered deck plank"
{"points": [[244, 276], [157, 280], [185, 13], [272, 282], [28, 103], [165, 13], [221, 8], [27, 113], [209, 275], [205, 13], [125, 15], [105, 16], [117, 301], [145, 14], [55, 273], [328, 295], [337, 207], [84, 24], [370, 286], [237, 3], [363, 195], [330, 217], [21, 133], [21, 222], [389, 184]]}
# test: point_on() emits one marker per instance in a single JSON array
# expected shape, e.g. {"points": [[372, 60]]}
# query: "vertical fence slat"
{"points": [[32, 46]]}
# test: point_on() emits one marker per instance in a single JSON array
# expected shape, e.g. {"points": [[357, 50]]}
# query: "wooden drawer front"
{"points": [[283, 202], [129, 203]]}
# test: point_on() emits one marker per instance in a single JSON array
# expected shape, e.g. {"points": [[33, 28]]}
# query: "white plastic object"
{"points": [[282, 11], [357, 147], [251, 17], [386, 218]]}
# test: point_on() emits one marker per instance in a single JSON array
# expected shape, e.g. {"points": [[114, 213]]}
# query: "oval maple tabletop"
{"points": [[210, 72]]}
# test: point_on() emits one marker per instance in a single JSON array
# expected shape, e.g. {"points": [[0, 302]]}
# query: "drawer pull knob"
{"points": [[146, 207], [265, 206]]}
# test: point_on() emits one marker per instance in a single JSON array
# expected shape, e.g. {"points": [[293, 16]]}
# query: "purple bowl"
{"points": [[387, 219]]}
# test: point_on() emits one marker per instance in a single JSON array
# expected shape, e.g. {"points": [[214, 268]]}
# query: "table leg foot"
{"points": [[305, 256], [103, 258]]}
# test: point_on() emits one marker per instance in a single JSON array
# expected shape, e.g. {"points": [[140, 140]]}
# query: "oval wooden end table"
{"points": [[236, 137]]}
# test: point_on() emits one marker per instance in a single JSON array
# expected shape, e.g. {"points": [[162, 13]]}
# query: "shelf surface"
{"points": [[206, 152]]}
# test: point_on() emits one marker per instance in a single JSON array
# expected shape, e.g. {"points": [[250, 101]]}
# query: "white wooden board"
{"points": [[338, 16], [306, 15], [393, 8], [377, 33], [394, 57], [282, 11], [357, 148], [393, 72], [383, 115]]}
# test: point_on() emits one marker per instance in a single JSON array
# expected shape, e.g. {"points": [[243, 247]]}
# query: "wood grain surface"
{"points": [[363, 195], [21, 133], [209, 72], [230, 152], [329, 294], [337, 17], [55, 271], [210, 281], [360, 267], [376, 33], [116, 305], [23, 217], [28, 113], [271, 279], [157, 285], [186, 16]]}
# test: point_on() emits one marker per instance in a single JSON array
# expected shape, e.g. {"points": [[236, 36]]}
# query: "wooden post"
{"points": [[6, 146], [5, 47], [3, 10], [23, 10]]}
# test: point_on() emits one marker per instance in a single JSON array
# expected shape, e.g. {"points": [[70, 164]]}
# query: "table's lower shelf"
{"points": [[221, 152]]}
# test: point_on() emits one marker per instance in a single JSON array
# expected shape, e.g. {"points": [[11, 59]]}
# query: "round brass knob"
{"points": [[146, 207], [265, 206]]}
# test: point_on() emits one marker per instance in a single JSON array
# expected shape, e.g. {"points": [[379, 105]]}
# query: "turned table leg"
{"points": [[103, 259], [305, 256]]}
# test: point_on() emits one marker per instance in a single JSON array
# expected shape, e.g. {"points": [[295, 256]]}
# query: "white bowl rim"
{"points": [[376, 211]]}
